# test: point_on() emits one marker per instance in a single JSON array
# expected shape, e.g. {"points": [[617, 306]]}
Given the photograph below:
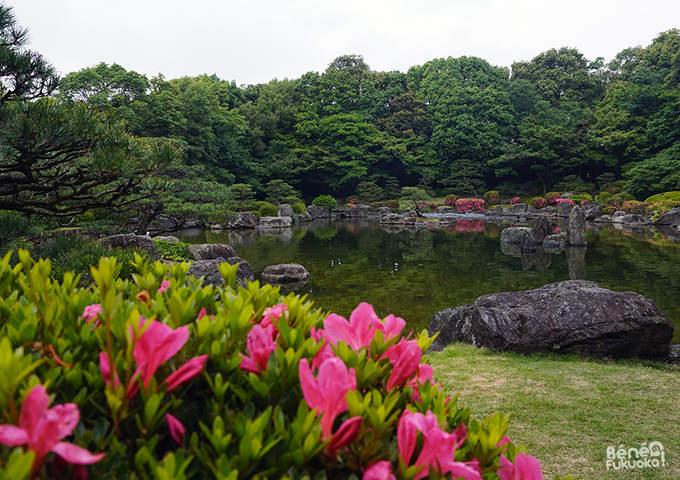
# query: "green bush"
{"points": [[325, 201], [663, 197], [267, 209], [492, 197], [173, 379], [393, 204], [175, 251], [299, 208], [604, 196]]}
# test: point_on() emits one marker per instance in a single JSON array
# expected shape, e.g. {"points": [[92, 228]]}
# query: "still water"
{"points": [[414, 274]]}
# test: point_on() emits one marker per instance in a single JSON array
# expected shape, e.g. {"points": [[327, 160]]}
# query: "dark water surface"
{"points": [[414, 274]]}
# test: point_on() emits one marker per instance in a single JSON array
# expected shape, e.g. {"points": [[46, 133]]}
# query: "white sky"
{"points": [[254, 41]]}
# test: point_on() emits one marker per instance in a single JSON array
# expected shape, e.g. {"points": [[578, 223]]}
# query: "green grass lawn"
{"points": [[567, 410]]}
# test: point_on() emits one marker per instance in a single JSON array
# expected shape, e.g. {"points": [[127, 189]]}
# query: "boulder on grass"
{"points": [[211, 274], [209, 251], [573, 316], [284, 273], [130, 240]]}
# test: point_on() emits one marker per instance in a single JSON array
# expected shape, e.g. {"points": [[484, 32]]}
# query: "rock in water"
{"points": [[576, 230], [574, 316], [284, 273], [211, 274]]}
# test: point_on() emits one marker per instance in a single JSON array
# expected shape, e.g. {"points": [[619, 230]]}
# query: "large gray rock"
{"points": [[285, 210], [130, 240], [209, 251], [592, 211], [284, 273], [318, 212], [244, 220], [517, 208], [565, 210], [276, 222], [671, 218], [555, 242], [517, 235], [576, 229], [211, 274], [574, 316], [628, 218], [541, 229], [167, 238]]}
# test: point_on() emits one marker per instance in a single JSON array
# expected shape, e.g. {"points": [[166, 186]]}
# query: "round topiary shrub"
{"points": [[299, 208], [492, 197], [539, 202], [267, 209], [450, 200], [325, 201]]}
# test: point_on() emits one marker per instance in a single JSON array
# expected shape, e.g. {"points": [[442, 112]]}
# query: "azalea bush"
{"points": [[635, 207], [492, 197], [450, 200], [551, 197], [393, 204], [470, 205], [539, 202], [515, 201], [161, 377]]}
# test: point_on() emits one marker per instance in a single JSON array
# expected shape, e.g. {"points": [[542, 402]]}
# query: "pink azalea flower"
{"points": [[41, 429], [165, 284], [260, 345], [347, 433], [405, 357], [325, 352], [424, 375], [176, 429], [158, 344], [91, 312], [361, 327], [327, 393], [271, 314], [438, 446], [379, 471], [526, 467]]}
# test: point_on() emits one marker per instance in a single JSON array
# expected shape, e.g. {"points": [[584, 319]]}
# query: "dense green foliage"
{"points": [[161, 377], [456, 125], [451, 125], [175, 251]]}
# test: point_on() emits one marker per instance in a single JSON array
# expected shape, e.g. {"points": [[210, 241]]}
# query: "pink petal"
{"points": [[176, 429], [379, 471], [91, 312], [338, 329], [308, 384], [527, 467], [406, 435], [249, 365], [13, 436], [347, 433], [105, 366], [186, 372], [362, 320], [405, 358], [35, 404], [507, 470], [75, 454], [158, 344], [165, 284], [68, 415]]}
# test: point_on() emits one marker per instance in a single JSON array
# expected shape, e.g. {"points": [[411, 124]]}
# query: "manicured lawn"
{"points": [[567, 410]]}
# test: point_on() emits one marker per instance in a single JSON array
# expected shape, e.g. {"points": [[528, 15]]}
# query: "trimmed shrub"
{"points": [[175, 251], [515, 201], [393, 204], [604, 196], [635, 207], [325, 201], [171, 379], [539, 202], [582, 198], [551, 197], [299, 208], [267, 209], [470, 205], [450, 200], [492, 197]]}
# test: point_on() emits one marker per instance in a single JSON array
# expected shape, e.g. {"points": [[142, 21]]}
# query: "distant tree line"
{"points": [[456, 125]]}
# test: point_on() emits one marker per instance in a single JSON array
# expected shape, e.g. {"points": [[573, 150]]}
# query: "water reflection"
{"points": [[415, 272]]}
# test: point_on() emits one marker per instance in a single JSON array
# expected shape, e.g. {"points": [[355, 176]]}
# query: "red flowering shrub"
{"points": [[539, 202], [635, 207], [515, 201], [470, 205], [492, 197], [393, 204], [450, 200], [180, 380], [552, 197]]}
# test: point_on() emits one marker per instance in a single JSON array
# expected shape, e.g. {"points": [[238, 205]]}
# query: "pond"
{"points": [[414, 274]]}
